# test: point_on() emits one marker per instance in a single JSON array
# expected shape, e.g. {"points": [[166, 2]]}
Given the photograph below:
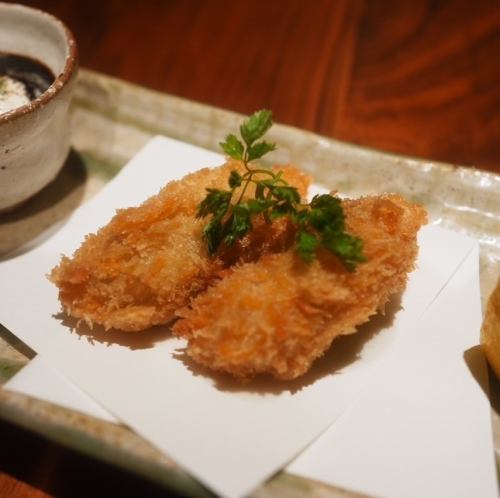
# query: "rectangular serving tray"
{"points": [[111, 121]]}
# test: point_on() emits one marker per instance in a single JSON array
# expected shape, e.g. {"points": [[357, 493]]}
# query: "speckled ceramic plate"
{"points": [[111, 121]]}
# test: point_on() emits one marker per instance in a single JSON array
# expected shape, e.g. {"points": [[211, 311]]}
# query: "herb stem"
{"points": [[244, 189], [262, 171], [248, 177]]}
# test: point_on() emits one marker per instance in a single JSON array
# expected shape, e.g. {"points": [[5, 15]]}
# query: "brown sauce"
{"points": [[34, 75]]}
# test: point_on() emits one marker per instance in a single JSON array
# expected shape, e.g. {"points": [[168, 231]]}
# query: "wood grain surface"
{"points": [[414, 77], [420, 78]]}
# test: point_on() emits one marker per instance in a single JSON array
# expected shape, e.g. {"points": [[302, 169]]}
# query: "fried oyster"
{"points": [[149, 260], [278, 314]]}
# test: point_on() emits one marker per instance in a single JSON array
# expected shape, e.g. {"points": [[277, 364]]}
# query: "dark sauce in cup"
{"points": [[28, 75]]}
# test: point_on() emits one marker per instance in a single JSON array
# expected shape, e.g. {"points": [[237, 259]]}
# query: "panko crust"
{"points": [[278, 314], [149, 260]]}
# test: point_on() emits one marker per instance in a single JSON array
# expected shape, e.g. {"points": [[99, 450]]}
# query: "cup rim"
{"points": [[60, 80]]}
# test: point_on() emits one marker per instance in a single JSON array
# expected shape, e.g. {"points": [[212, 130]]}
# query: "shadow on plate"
{"points": [[494, 391], [46, 209], [132, 340], [344, 350], [485, 378]]}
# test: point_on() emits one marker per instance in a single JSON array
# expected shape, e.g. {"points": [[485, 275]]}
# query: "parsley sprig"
{"points": [[319, 223]]}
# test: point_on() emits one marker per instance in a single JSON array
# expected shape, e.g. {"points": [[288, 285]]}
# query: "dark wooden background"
{"points": [[413, 77]]}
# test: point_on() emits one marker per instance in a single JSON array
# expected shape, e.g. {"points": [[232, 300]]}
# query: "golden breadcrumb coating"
{"points": [[278, 314], [149, 260], [490, 331]]}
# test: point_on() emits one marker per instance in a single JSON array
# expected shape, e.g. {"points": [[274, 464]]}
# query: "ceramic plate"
{"points": [[111, 121]]}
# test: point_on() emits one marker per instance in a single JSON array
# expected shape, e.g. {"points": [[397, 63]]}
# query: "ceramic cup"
{"points": [[34, 138]]}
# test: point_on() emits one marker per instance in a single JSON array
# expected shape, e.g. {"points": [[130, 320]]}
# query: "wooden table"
{"points": [[417, 78]]}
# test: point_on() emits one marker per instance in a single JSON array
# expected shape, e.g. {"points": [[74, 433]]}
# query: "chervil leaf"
{"points": [[259, 190], [212, 233], [216, 202], [238, 224], [346, 246], [281, 208], [306, 245], [257, 206], [326, 210], [255, 126], [259, 149], [286, 193], [233, 147], [235, 179]]}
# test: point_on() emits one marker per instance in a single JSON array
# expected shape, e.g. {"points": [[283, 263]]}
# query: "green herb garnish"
{"points": [[320, 223]]}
